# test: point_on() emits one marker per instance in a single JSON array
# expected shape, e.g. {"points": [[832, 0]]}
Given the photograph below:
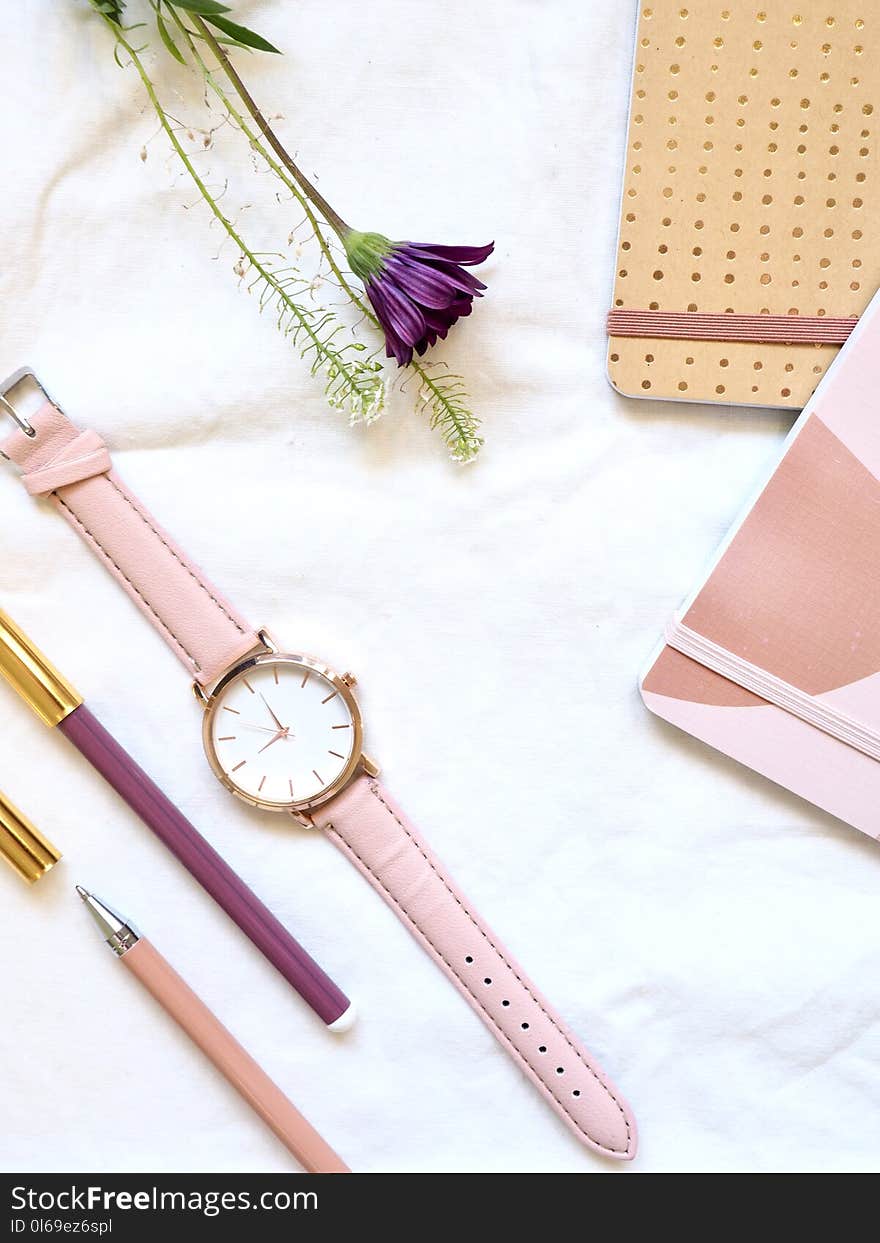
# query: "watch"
{"points": [[283, 732]]}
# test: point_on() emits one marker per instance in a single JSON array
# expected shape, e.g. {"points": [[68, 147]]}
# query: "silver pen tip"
{"points": [[117, 932]]}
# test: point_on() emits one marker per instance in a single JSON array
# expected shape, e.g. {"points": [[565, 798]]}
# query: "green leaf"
{"points": [[111, 8], [205, 7], [241, 34], [167, 40]]}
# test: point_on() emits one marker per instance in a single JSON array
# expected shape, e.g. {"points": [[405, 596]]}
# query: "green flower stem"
{"points": [[432, 395], [311, 192], [459, 426], [280, 172], [441, 397], [334, 359]]}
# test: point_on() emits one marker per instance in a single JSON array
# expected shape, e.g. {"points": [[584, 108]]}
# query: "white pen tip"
{"points": [[83, 893], [345, 1021]]}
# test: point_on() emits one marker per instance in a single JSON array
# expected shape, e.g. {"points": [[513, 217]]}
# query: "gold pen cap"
{"points": [[22, 845], [28, 671]]}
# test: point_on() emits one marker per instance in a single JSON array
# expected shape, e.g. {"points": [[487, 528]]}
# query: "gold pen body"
{"points": [[22, 844], [52, 698], [34, 677]]}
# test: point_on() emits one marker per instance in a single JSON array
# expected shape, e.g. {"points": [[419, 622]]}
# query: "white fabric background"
{"points": [[713, 939]]}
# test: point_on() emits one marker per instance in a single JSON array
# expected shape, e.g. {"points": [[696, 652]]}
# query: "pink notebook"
{"points": [[790, 609]]}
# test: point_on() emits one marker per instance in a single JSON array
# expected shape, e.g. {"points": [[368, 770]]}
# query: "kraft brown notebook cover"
{"points": [[749, 187]]}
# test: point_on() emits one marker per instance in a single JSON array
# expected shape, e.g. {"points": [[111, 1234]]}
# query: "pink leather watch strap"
{"points": [[371, 830], [74, 470]]}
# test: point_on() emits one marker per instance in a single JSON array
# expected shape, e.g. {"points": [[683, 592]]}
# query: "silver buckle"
{"points": [[6, 387]]}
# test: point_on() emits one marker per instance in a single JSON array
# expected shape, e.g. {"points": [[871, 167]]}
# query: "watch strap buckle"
{"points": [[7, 386]]}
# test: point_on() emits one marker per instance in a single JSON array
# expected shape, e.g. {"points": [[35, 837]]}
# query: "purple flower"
{"points": [[417, 290]]}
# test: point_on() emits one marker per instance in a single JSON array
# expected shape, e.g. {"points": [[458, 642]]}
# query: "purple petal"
{"points": [[422, 281], [454, 254], [439, 322], [403, 314], [421, 291], [394, 346], [463, 280], [429, 339], [439, 326]]}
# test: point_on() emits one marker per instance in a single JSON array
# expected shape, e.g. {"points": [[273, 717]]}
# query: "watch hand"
{"points": [[253, 725], [271, 713], [282, 733]]}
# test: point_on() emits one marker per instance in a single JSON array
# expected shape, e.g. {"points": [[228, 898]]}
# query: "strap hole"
{"points": [[469, 958], [560, 1070], [524, 1026], [576, 1092], [542, 1048], [505, 1003], [487, 980]]}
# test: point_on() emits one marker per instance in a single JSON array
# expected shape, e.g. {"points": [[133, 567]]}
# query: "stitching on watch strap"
{"points": [[501, 1033], [159, 536], [102, 551], [60, 460]]}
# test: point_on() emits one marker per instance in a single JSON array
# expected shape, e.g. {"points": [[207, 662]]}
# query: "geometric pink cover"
{"points": [[795, 590]]}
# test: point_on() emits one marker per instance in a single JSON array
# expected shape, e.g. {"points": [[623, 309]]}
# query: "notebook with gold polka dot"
{"points": [[745, 254]]}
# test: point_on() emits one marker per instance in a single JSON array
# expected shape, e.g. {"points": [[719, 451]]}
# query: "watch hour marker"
{"points": [[318, 775], [348, 726], [308, 674], [235, 710], [238, 766], [275, 671], [260, 786], [248, 685], [329, 697], [227, 738], [336, 753], [290, 785]]}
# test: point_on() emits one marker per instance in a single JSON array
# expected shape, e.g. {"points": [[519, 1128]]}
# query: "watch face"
{"points": [[283, 732]]}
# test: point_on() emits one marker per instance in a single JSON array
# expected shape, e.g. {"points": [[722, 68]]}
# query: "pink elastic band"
{"points": [[702, 326], [752, 678]]}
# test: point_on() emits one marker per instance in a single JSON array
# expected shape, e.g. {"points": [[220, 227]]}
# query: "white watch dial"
{"points": [[281, 733]]}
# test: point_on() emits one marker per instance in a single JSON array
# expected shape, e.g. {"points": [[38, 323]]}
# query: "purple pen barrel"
{"points": [[201, 860]]}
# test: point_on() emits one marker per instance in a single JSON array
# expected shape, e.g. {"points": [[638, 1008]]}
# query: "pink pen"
{"points": [[219, 1045]]}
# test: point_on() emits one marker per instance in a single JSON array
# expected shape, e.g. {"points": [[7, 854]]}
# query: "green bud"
{"points": [[366, 253]]}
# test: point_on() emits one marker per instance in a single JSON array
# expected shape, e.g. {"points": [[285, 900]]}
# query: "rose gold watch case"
{"points": [[298, 808]]}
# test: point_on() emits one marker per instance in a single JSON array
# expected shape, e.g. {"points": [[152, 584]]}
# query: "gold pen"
{"points": [[22, 844]]}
